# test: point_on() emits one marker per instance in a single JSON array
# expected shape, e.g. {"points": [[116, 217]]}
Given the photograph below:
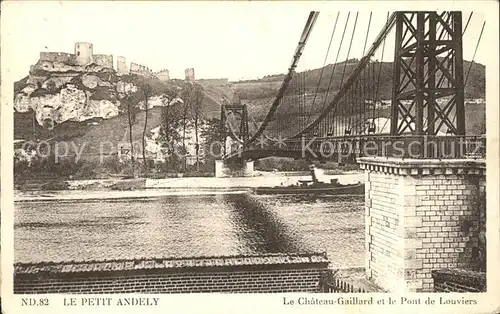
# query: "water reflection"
{"points": [[262, 229], [208, 225]]}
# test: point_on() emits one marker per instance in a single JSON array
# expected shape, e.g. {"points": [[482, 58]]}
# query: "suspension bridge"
{"points": [[423, 119], [425, 178]]}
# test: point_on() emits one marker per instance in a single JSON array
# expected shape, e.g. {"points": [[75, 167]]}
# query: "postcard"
{"points": [[243, 157]]}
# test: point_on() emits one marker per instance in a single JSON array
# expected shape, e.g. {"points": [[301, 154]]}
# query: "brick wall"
{"points": [[446, 224], [457, 280], [482, 223], [382, 236], [420, 218], [272, 273]]}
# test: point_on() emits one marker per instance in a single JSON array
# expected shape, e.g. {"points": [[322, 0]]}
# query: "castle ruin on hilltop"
{"points": [[189, 75], [163, 75], [84, 55]]}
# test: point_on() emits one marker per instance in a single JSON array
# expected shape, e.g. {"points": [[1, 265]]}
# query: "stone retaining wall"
{"points": [[458, 280], [242, 274]]}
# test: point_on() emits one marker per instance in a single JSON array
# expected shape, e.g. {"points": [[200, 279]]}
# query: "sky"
{"points": [[234, 40]]}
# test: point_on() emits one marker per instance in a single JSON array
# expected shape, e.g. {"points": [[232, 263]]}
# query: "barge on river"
{"points": [[315, 187], [332, 188]]}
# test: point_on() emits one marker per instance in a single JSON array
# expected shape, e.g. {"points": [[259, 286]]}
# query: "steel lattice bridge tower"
{"points": [[418, 42], [424, 178], [427, 100], [241, 135]]}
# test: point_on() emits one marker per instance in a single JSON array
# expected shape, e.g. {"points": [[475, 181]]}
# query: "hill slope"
{"points": [[259, 94]]}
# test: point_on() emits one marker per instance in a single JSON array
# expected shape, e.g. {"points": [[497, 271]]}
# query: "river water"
{"points": [[205, 225]]}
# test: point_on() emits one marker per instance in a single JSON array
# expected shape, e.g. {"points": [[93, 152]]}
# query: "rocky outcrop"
{"points": [[125, 87], [62, 91], [56, 82], [92, 81], [69, 104], [154, 101]]}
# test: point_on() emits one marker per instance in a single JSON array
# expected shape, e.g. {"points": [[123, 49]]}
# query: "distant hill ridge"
{"points": [[475, 87], [105, 87]]}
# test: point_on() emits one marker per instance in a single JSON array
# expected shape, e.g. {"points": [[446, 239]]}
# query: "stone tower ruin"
{"points": [[163, 75], [189, 75], [121, 65], [83, 53]]}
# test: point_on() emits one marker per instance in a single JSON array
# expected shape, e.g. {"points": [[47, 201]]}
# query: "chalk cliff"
{"points": [[62, 91]]}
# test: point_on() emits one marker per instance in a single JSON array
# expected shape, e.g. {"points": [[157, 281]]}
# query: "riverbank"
{"points": [[265, 180], [72, 195], [101, 189]]}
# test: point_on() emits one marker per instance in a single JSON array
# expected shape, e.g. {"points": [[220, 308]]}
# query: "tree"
{"points": [[213, 140], [197, 109], [131, 139], [169, 134], [187, 96], [146, 90], [132, 101]]}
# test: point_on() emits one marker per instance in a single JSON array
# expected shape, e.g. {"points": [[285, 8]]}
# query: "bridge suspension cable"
{"points": [[378, 82], [333, 69], [475, 51], [367, 32], [467, 24], [358, 69], [430, 44], [363, 76], [472, 61], [323, 68], [349, 50], [313, 16], [347, 59]]}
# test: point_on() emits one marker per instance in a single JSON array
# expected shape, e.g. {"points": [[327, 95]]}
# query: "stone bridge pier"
{"points": [[240, 168], [422, 215]]}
